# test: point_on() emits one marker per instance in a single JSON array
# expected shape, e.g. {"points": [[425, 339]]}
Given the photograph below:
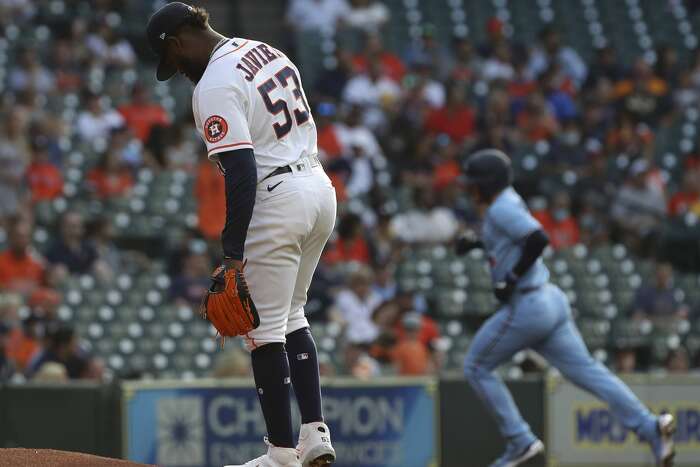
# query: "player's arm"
{"points": [[240, 175], [468, 241], [533, 246]]}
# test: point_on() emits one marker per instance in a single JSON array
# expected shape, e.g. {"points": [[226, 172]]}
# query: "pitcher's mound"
{"points": [[17, 457]]}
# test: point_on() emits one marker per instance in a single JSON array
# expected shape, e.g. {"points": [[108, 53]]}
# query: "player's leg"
{"points": [[273, 253], [504, 334], [565, 349], [314, 438]]}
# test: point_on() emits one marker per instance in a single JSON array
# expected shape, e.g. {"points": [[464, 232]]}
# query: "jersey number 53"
{"points": [[301, 116]]}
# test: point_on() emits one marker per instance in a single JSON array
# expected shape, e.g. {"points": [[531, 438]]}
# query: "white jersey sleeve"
{"points": [[221, 119]]}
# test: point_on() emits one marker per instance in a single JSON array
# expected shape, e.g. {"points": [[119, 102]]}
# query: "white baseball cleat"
{"points": [[315, 449], [275, 457], [514, 456], [662, 445]]}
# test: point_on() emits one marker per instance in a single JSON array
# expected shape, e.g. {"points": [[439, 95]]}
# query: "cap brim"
{"points": [[165, 70]]}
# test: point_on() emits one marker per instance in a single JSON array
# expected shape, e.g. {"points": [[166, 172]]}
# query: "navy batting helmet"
{"points": [[489, 170]]}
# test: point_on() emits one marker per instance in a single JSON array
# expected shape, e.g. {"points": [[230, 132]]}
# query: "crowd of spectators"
{"points": [[393, 129]]}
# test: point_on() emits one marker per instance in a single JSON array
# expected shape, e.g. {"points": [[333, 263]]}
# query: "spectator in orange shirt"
{"points": [[410, 354], [329, 143], [558, 222], [455, 119], [21, 269], [141, 114], [392, 66], [44, 179], [111, 178], [350, 244], [688, 198], [210, 191]]}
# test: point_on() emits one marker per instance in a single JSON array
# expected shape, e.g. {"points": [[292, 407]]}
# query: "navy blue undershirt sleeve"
{"points": [[533, 247], [241, 176]]}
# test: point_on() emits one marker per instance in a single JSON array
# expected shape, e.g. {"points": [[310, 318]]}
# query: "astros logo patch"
{"points": [[215, 128]]}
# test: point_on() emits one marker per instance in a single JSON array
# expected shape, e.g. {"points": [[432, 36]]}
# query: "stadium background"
{"points": [[110, 213]]}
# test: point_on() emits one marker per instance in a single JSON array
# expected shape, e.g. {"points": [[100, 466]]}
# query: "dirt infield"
{"points": [[49, 458]]}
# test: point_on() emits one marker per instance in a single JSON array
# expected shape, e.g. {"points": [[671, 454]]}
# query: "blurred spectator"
{"points": [[666, 66], [181, 152], [658, 300], [560, 225], [44, 179], [359, 364], [645, 97], [625, 360], [550, 51], [410, 355], [328, 139], [108, 262], [109, 48], [464, 62], [21, 268], [30, 74], [356, 304], [51, 372], [384, 283], [333, 81], [24, 341], [426, 222], [371, 91], [66, 67], [189, 286], [455, 119], [605, 66], [427, 50], [368, 15], [62, 347], [233, 363], [71, 251], [374, 50], [559, 101], [141, 113], [350, 244], [498, 65], [7, 368], [495, 35], [210, 191], [687, 199], [638, 208], [316, 15], [14, 158], [678, 361], [97, 120], [537, 121], [111, 178]]}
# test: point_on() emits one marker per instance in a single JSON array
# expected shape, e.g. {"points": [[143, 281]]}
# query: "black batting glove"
{"points": [[467, 242], [504, 290]]}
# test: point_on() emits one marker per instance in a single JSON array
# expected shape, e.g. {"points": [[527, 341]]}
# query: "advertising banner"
{"points": [[582, 431], [383, 423]]}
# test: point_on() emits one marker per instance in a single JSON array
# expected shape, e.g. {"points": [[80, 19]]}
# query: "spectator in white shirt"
{"points": [[110, 49], [31, 74], [373, 91], [550, 51], [427, 222], [316, 15], [367, 15], [96, 122], [498, 65], [356, 305]]}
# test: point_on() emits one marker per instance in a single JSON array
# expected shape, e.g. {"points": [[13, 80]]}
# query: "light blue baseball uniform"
{"points": [[537, 317]]}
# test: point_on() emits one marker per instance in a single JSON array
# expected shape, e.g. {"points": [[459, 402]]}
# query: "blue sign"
{"points": [[371, 425]]}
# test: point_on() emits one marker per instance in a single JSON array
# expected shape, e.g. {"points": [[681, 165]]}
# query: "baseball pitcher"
{"points": [[251, 111], [534, 314]]}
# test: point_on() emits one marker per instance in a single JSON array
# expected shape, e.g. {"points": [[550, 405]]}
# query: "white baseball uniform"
{"points": [[250, 96]]}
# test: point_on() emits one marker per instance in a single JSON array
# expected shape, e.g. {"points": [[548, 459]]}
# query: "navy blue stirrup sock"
{"points": [[271, 373], [303, 365]]}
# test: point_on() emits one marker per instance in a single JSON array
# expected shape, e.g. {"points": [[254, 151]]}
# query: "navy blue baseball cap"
{"points": [[162, 24]]}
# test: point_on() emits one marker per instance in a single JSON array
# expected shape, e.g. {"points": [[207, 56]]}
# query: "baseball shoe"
{"points": [[662, 445], [275, 457], [516, 455], [315, 449]]}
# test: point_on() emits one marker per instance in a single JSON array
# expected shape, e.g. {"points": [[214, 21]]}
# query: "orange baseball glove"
{"points": [[228, 304]]}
